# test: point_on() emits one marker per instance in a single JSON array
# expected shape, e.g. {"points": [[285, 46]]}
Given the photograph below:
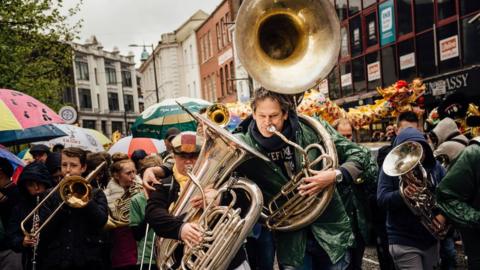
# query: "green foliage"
{"points": [[35, 57]]}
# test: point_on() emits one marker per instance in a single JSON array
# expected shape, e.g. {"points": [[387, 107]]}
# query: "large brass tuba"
{"points": [[288, 210], [289, 46], [404, 161], [225, 228]]}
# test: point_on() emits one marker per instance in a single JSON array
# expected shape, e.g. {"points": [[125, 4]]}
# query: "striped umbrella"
{"points": [[129, 144], [157, 119]]}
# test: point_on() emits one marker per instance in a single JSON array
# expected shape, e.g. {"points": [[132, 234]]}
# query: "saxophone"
{"points": [[404, 161]]}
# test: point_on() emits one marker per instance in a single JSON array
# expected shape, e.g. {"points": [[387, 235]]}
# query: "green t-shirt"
{"points": [[137, 216]]}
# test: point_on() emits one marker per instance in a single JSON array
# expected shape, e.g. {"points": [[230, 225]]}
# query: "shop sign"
{"points": [[407, 61], [467, 80], [387, 22], [449, 48], [346, 79], [373, 71], [323, 87], [68, 114]]}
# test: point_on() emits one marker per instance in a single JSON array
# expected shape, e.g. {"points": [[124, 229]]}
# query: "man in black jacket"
{"points": [[186, 147]]}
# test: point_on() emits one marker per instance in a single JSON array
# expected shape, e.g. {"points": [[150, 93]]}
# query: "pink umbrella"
{"points": [[21, 111], [128, 144]]}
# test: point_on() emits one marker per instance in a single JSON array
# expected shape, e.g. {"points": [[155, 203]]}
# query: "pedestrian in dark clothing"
{"points": [[410, 243], [404, 120], [33, 184], [9, 197]]}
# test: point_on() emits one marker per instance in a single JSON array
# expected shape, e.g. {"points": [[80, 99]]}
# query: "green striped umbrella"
{"points": [[157, 119]]}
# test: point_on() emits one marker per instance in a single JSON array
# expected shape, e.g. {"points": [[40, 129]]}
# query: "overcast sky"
{"points": [[123, 22]]}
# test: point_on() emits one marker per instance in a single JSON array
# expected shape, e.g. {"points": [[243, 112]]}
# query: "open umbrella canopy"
{"points": [[157, 119], [20, 111], [14, 160], [99, 136], [33, 134], [129, 144], [75, 137]]}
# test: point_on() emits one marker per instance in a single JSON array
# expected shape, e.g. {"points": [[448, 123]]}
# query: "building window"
{"points": [[404, 17], [367, 3], [423, 10], [356, 36], [104, 127], [425, 55], [117, 126], [82, 70], [232, 76], [406, 60], [89, 124], [227, 21], [355, 6], [346, 79], [469, 6], [344, 47], [446, 9], [129, 103], [334, 84], [358, 74], [85, 98], [227, 76], [374, 80], [126, 78], [389, 65], [222, 82], [209, 45], [113, 102], [448, 47], [371, 25], [471, 39], [111, 75], [219, 36], [96, 76], [341, 7]]}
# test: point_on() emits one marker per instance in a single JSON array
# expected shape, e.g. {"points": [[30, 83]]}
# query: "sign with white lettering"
{"points": [[346, 79], [323, 87], [407, 61], [449, 48], [387, 25], [373, 71], [466, 80]]}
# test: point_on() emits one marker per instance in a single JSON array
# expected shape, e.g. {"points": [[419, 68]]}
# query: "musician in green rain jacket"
{"points": [[458, 196], [324, 243]]}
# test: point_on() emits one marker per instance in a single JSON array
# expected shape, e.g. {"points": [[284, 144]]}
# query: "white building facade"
{"points": [[176, 64], [105, 92]]}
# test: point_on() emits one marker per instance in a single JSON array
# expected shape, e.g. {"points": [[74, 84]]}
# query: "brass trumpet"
{"points": [[75, 191], [219, 114]]}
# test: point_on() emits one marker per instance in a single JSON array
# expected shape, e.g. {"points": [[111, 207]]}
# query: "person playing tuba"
{"points": [[324, 243], [186, 148]]}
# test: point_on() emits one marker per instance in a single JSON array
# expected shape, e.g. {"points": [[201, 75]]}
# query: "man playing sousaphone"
{"points": [[186, 148], [324, 243]]}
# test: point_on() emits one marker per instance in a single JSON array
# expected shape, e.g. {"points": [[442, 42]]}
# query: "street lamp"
{"points": [[154, 66]]}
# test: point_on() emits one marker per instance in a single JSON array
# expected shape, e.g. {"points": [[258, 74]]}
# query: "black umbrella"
{"points": [[33, 134]]}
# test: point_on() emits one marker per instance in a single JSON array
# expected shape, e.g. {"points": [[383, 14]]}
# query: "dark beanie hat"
{"points": [[39, 148], [138, 155], [54, 162], [6, 167], [36, 172]]}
